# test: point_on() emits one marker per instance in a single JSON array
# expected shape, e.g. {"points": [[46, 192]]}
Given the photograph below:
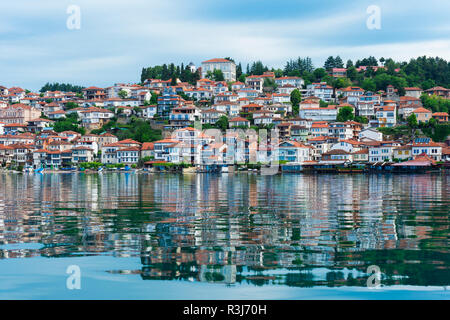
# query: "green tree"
{"points": [[345, 114], [296, 98], [222, 123], [122, 94], [369, 85], [329, 63]]}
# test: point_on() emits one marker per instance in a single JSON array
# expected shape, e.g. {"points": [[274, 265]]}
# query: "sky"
{"points": [[116, 39]]}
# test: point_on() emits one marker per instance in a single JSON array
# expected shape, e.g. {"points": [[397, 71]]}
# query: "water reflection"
{"points": [[296, 230]]}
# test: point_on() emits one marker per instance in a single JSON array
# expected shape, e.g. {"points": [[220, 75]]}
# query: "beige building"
{"points": [[18, 113], [422, 114]]}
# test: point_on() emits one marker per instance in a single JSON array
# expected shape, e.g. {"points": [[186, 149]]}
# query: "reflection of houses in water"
{"points": [[218, 274], [183, 225]]}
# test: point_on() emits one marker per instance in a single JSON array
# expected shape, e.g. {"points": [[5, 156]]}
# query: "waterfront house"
{"points": [[403, 153], [383, 151], [428, 147], [361, 156], [294, 152], [337, 154]]}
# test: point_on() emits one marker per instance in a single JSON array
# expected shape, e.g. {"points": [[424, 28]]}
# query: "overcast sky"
{"points": [[118, 38]]}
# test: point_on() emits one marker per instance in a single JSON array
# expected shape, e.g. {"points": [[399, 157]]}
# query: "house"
{"points": [[351, 94], [148, 150], [148, 112], [167, 101], [365, 105], [94, 117], [227, 67], [386, 116], [403, 153], [239, 122], [319, 128], [422, 114], [55, 115], [262, 120], [440, 116], [382, 151], [328, 113], [427, 146], [128, 155], [346, 145], [160, 149], [296, 82], [37, 125], [361, 156], [407, 105], [281, 98], [439, 91], [341, 130], [338, 72], [70, 135], [321, 90], [413, 92], [211, 116], [371, 134], [236, 86], [18, 113], [337, 155], [125, 151], [309, 104], [232, 109], [299, 133], [184, 116], [294, 152], [93, 93], [82, 154], [255, 82], [198, 93]]}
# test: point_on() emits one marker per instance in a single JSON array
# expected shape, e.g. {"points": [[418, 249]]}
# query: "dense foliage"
{"points": [[167, 72], [70, 123], [137, 129], [65, 87]]}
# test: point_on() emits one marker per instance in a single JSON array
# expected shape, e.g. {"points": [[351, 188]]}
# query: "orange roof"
{"points": [[148, 146], [421, 110], [216, 60], [238, 119]]}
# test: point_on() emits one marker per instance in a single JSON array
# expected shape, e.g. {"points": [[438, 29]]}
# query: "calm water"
{"points": [[242, 236]]}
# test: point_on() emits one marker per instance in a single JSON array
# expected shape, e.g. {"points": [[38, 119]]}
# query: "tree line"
{"points": [[65, 87]]}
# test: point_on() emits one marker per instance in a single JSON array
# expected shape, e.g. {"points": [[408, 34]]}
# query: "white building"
{"points": [[227, 67]]}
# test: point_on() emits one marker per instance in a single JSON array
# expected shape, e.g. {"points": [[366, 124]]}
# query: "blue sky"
{"points": [[118, 38]]}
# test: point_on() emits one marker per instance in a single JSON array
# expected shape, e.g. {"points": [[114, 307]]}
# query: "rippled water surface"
{"points": [[164, 236]]}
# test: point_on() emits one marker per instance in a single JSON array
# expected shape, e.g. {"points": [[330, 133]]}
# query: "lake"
{"points": [[236, 236]]}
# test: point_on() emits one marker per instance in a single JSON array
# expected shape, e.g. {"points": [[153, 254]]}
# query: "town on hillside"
{"points": [[325, 118]]}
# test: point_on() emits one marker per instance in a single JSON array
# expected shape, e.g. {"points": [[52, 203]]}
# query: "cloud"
{"points": [[117, 38]]}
